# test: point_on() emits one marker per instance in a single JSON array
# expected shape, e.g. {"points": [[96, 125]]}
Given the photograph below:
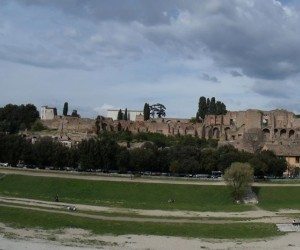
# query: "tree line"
{"points": [[186, 155], [14, 118], [208, 106]]}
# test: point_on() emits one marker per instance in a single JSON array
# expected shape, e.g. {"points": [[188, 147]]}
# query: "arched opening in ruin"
{"points": [[282, 133], [291, 133], [119, 127], [266, 134], [227, 131], [208, 133], [216, 133]]}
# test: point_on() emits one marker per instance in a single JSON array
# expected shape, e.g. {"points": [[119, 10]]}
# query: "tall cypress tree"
{"points": [[125, 115], [212, 106], [120, 115], [208, 106], [65, 110], [146, 112], [202, 108]]}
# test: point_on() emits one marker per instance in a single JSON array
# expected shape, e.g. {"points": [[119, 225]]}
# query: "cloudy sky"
{"points": [[99, 54]]}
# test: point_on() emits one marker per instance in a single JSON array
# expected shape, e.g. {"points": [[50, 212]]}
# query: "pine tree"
{"points": [[65, 110]]}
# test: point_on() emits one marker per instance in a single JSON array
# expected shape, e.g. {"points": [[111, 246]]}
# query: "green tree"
{"points": [[123, 160], [202, 108], [158, 109], [220, 108], [239, 177], [14, 118], [38, 126], [146, 112], [212, 106], [120, 115], [65, 109], [125, 115], [74, 113]]}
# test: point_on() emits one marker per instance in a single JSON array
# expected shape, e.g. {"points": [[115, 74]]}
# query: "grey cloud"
{"points": [[235, 73], [144, 11], [209, 78], [260, 37], [273, 89], [40, 58]]}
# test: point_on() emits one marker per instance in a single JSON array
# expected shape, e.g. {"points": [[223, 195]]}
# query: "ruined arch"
{"points": [[208, 132], [291, 133], [266, 134], [216, 133], [283, 133], [227, 132]]}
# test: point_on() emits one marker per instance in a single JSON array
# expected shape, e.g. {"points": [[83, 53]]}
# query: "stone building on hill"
{"points": [[48, 113]]}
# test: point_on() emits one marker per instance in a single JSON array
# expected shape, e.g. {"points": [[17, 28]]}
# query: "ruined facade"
{"points": [[250, 130], [277, 126]]}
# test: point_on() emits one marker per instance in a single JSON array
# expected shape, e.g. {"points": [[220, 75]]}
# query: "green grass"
{"points": [[275, 198], [121, 194], [16, 217]]}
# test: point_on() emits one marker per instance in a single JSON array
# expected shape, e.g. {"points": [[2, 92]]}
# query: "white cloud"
{"points": [[103, 109]]}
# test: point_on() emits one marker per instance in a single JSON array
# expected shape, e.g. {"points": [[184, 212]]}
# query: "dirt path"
{"points": [[154, 215], [123, 218]]}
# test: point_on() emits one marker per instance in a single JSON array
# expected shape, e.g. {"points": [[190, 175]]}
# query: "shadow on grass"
{"points": [[256, 190]]}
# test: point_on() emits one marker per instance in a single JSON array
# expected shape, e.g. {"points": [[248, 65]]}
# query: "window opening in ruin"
{"points": [[297, 159], [231, 122]]}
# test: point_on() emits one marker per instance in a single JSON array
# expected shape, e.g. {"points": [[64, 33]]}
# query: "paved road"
{"points": [[98, 177]]}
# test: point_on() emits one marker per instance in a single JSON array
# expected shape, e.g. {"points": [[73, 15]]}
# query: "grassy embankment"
{"points": [[121, 194], [16, 217], [144, 195], [275, 198]]}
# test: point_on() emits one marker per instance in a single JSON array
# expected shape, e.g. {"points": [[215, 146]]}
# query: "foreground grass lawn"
{"points": [[121, 194], [32, 219], [275, 198]]}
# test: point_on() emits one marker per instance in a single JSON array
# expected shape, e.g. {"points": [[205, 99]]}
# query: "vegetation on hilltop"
{"points": [[14, 118], [208, 106]]}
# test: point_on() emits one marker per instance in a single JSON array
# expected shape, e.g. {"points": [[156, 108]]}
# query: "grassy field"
{"points": [[144, 195], [275, 198], [16, 217], [121, 194]]}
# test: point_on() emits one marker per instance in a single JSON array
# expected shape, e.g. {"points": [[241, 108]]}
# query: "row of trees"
{"points": [[14, 118], [208, 106], [123, 116], [104, 153]]}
